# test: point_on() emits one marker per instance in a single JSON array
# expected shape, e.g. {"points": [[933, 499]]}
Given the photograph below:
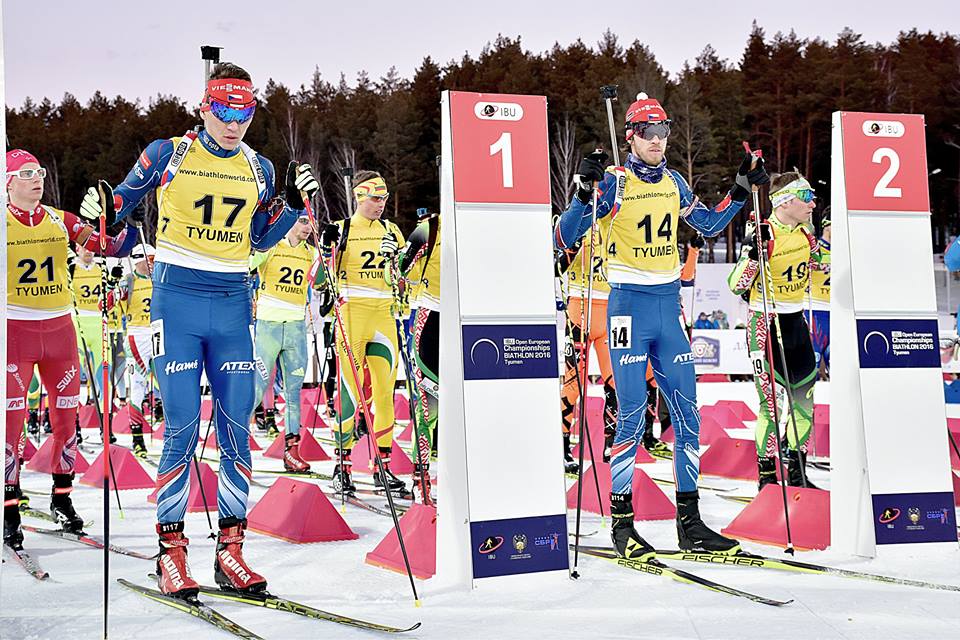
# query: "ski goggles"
{"points": [[799, 189], [226, 113], [651, 130], [28, 174]]}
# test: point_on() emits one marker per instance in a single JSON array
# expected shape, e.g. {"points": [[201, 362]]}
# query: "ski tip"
{"points": [[417, 603]]}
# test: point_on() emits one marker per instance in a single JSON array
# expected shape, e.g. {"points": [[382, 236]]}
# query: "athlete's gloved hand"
{"points": [[749, 176], [330, 235], [590, 172], [299, 180], [138, 215], [116, 273], [749, 241], [324, 301], [388, 246], [697, 241], [97, 201]]}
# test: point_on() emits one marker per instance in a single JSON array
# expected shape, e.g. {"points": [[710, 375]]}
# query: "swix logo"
{"points": [[227, 561], [630, 358], [684, 358], [237, 365], [172, 572], [67, 377], [176, 367], [68, 402]]}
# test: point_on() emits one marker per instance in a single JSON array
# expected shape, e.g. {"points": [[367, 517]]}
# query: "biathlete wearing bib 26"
{"points": [[640, 223], [212, 211]]}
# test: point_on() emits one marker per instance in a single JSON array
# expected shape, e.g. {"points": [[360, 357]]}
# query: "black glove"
{"points": [[138, 215], [299, 180], [697, 241], [750, 243], [590, 171], [330, 235], [116, 273], [324, 301], [748, 177]]}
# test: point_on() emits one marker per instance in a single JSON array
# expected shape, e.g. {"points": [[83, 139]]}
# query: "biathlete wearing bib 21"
{"points": [[639, 219], [212, 211]]}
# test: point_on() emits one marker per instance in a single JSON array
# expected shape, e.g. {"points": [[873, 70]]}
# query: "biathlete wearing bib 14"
{"points": [[212, 211], [286, 272], [793, 253], [639, 218], [369, 324]]}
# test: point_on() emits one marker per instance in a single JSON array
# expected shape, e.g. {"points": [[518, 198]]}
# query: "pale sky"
{"points": [[139, 49]]}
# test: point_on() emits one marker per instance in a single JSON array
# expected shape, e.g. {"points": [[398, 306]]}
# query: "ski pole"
{"points": [[761, 251], [107, 423], [609, 93], [363, 402]]}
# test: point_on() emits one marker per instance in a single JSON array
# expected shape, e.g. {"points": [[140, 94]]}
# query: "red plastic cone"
{"points": [[129, 474], [407, 434], [88, 417], [954, 459], [821, 413], [713, 377], [710, 432], [195, 498], [419, 528], [596, 441], [401, 407], [649, 502], [956, 488], [157, 431], [29, 449], [731, 458], [722, 415], [762, 520], [298, 512], [43, 462], [206, 409], [739, 408], [310, 449], [819, 443], [364, 461]]}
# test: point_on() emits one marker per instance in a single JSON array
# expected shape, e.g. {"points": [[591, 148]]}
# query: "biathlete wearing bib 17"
{"points": [[640, 208], [212, 211]]}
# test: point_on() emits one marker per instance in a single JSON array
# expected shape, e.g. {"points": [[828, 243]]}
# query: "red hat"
{"points": [[16, 159], [232, 92], [645, 109]]}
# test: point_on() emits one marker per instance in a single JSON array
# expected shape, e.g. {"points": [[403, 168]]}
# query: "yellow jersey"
{"points": [[38, 283], [360, 267], [139, 295], [86, 284], [284, 281], [789, 270], [577, 283]]}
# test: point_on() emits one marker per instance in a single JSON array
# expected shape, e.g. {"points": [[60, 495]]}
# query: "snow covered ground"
{"points": [[606, 602]]}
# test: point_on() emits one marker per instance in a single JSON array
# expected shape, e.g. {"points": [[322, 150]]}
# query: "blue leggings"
{"points": [[644, 325], [821, 334], [196, 331]]}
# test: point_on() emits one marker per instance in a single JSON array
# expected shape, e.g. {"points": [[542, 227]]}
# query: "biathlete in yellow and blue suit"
{"points": [[639, 208], [215, 199]]}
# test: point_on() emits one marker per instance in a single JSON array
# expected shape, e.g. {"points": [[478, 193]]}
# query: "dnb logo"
{"points": [[509, 111], [705, 351], [490, 545], [889, 515]]}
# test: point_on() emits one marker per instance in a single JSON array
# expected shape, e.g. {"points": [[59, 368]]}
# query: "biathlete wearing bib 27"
{"points": [[639, 208]]}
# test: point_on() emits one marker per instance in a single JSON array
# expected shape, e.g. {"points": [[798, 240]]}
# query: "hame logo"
{"points": [[176, 367]]}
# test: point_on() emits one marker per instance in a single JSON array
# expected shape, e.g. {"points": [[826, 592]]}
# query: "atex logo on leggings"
{"points": [[237, 366]]}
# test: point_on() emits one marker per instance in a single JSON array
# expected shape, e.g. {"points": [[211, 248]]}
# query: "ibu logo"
{"points": [[509, 111]]}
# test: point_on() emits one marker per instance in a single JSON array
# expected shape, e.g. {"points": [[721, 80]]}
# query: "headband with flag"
{"points": [[229, 99], [373, 187]]}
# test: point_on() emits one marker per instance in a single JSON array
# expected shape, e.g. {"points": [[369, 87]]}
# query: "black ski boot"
{"points": [[570, 466], [342, 476], [47, 428], [361, 429], [270, 421], [693, 534], [157, 410], [260, 418], [61, 506], [796, 467], [76, 424], [139, 446], [767, 468], [626, 540], [33, 422], [393, 483], [12, 533]]}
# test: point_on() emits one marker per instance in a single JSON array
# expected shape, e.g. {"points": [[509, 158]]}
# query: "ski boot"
{"points": [[76, 424], [61, 506], [342, 476], [570, 466], [260, 418], [157, 410], [270, 421], [693, 534], [230, 570], [139, 446], [421, 483], [626, 540], [768, 472], [12, 533], [291, 454], [47, 428], [657, 448], [33, 422], [796, 465], [393, 483], [173, 572], [361, 429]]}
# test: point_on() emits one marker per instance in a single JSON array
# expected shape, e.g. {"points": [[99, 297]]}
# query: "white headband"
{"points": [[782, 195]]}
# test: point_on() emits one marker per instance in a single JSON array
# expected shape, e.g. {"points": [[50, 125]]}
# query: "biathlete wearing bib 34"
{"points": [[212, 210]]}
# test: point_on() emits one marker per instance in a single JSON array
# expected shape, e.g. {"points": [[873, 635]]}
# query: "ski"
{"points": [[745, 559], [739, 499], [657, 568], [87, 540], [28, 562], [195, 608], [43, 515], [277, 603], [673, 483]]}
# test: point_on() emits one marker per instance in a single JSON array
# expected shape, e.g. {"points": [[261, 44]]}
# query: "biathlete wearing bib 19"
{"points": [[639, 207]]}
